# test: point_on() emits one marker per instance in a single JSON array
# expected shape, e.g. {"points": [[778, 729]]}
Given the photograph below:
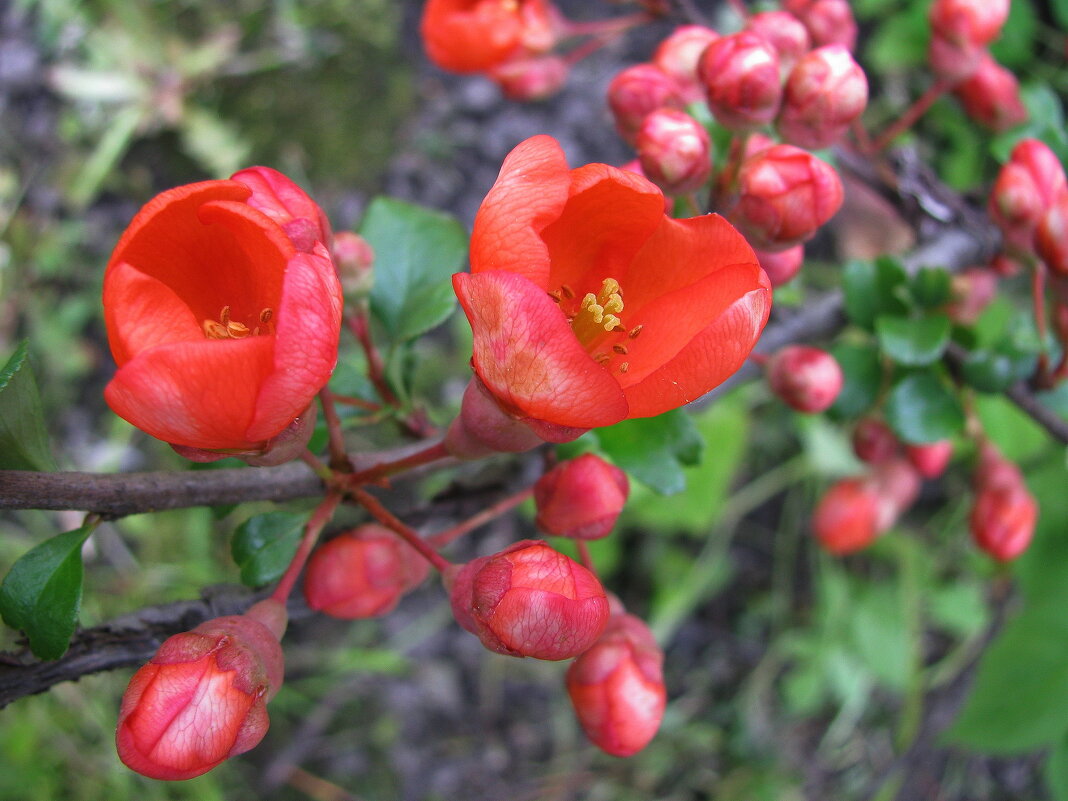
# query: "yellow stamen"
{"points": [[635, 331], [266, 315], [214, 330], [624, 367], [227, 328], [568, 292], [609, 287], [224, 316], [621, 349], [236, 330]]}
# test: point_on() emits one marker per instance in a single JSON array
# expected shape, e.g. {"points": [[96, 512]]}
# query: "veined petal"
{"points": [[528, 357], [711, 357], [609, 215], [529, 194], [309, 325], [282, 200], [200, 394], [142, 312]]}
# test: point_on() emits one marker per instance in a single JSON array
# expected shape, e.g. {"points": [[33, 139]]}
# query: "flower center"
{"points": [[225, 328], [596, 323]]}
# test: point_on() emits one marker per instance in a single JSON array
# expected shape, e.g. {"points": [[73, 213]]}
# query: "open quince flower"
{"points": [[223, 311], [589, 306], [477, 35]]}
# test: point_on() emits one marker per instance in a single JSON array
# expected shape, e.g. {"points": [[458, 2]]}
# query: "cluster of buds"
{"points": [[857, 510], [1004, 515]]}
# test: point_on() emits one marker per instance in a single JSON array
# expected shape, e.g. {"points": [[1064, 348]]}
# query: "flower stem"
{"points": [[606, 26], [312, 529], [359, 403], [375, 474], [317, 465], [585, 557], [1038, 306], [339, 458], [911, 114], [443, 538], [360, 325], [387, 519]]}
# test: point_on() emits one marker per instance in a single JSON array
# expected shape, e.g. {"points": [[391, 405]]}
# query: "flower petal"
{"points": [[527, 356], [529, 194], [142, 312], [608, 217], [282, 200], [309, 325], [200, 394]]}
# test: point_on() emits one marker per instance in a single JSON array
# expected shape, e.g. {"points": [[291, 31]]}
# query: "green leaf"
{"points": [[416, 252], [998, 369], [1015, 47], [23, 440], [913, 342], [1060, 12], [899, 42], [871, 289], [863, 376], [1056, 771], [930, 287], [921, 409], [1020, 697], [1045, 121], [264, 545], [1042, 570], [654, 449], [42, 592]]}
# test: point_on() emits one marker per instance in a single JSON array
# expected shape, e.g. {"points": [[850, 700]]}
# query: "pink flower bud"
{"points": [[757, 143], [1044, 167], [930, 459], [353, 257], [993, 468], [202, 698], [617, 687], [637, 91], [529, 600], [581, 498], [972, 289], [529, 79], [740, 74], [845, 520], [873, 441], [782, 266], [1051, 236], [827, 21], [786, 194], [678, 55], [674, 151], [806, 379], [897, 485], [785, 32], [954, 61], [1016, 205], [975, 22], [991, 96], [362, 573], [482, 427], [825, 92], [1003, 519]]}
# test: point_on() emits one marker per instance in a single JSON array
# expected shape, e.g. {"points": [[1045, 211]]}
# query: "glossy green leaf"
{"points": [[921, 409], [873, 289], [1056, 770], [998, 369], [654, 450], [42, 593], [863, 376], [913, 342], [1015, 47], [23, 439], [930, 287], [416, 252], [263, 546]]}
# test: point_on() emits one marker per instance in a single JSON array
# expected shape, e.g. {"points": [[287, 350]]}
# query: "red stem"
{"points": [[443, 538], [339, 457], [1038, 306], [606, 26], [314, 527], [584, 556], [375, 474], [360, 324], [317, 465], [911, 114], [387, 519], [359, 403]]}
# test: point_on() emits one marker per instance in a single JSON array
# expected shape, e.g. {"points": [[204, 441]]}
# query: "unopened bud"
{"points": [[1051, 236], [637, 91], [827, 21], [785, 195], [617, 687], [785, 32], [973, 22], [825, 92], [806, 379], [931, 459], [529, 600], [362, 573], [679, 54], [845, 520], [674, 151], [529, 79], [1003, 519], [873, 441], [782, 266], [740, 74], [991, 96], [897, 484], [202, 698], [954, 61], [581, 498], [354, 258]]}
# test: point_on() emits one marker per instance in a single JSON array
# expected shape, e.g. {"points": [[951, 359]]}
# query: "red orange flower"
{"points": [[223, 311], [589, 306], [476, 35]]}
